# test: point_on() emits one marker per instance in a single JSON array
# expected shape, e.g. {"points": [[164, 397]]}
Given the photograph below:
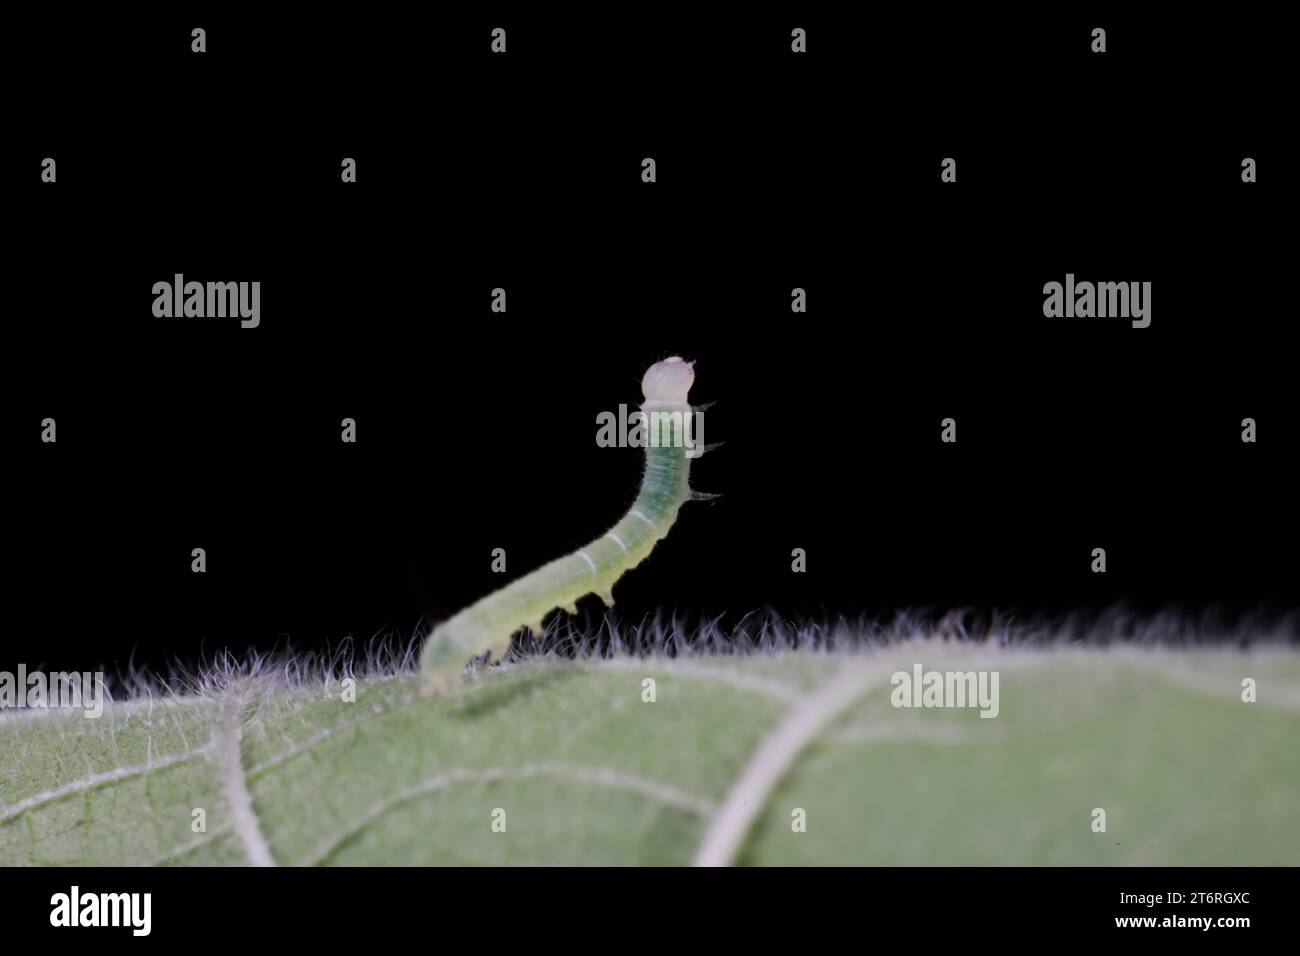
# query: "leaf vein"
{"points": [[243, 818], [776, 753], [90, 782], [607, 777]]}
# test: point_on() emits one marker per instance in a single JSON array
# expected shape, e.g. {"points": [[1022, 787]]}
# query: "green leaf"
{"points": [[587, 772]]}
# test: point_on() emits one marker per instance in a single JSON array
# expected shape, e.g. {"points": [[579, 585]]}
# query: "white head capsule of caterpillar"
{"points": [[669, 380]]}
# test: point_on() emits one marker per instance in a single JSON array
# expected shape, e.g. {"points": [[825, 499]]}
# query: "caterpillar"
{"points": [[488, 624]]}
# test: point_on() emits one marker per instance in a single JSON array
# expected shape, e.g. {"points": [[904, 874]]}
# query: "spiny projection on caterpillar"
{"points": [[488, 624]]}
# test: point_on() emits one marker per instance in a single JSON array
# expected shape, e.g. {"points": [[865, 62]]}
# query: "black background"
{"points": [[822, 906], [476, 430]]}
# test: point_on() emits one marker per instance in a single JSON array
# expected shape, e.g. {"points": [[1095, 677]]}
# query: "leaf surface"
{"points": [[582, 770]]}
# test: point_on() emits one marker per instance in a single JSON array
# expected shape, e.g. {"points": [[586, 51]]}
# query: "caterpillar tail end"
{"points": [[444, 682], [441, 666]]}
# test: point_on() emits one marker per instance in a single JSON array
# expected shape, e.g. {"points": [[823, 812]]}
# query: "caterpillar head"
{"points": [[669, 380]]}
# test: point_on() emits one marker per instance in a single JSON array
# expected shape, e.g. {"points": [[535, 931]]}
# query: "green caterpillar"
{"points": [[488, 624]]}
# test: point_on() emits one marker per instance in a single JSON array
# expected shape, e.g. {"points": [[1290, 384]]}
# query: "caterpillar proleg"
{"points": [[488, 624]]}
